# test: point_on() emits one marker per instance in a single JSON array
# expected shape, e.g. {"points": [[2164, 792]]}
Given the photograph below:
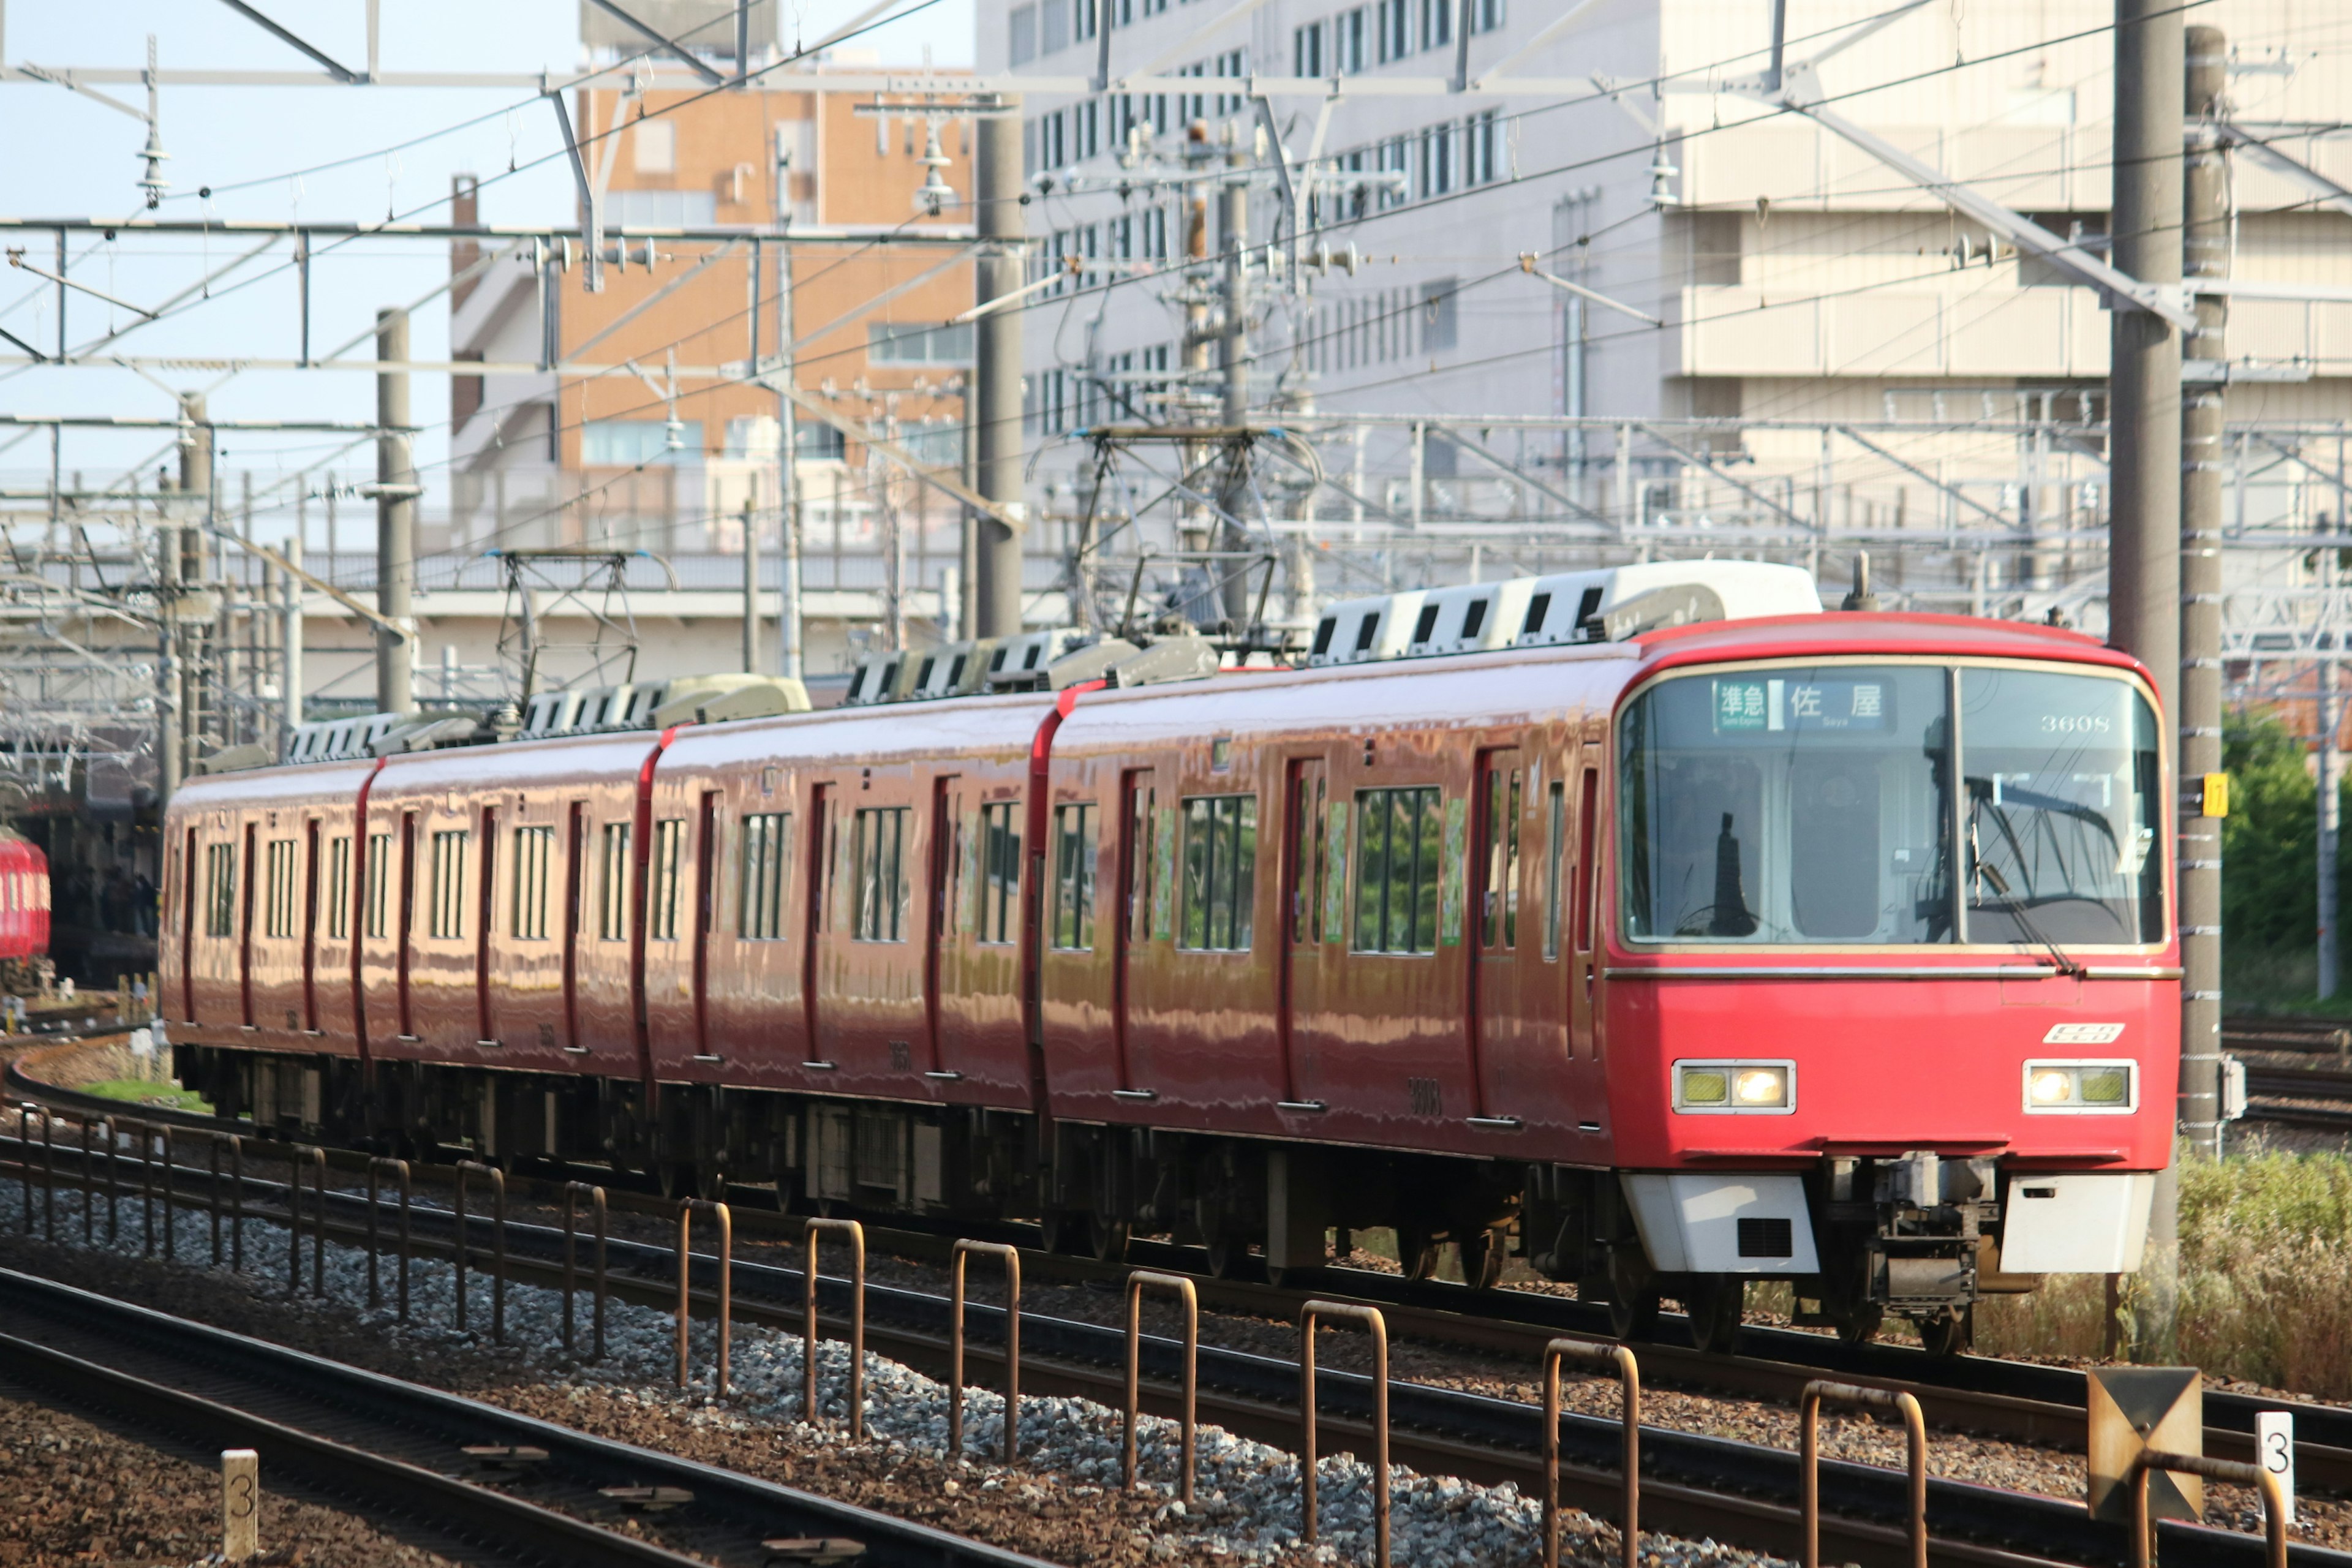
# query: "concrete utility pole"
{"points": [[2205, 254], [2331, 799], [290, 633], [788, 453], [751, 586], [1232, 573], [996, 370], [197, 663], [395, 522], [2143, 465]]}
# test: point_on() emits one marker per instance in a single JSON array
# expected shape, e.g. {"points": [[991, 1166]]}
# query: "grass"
{"points": [[2265, 1278], [143, 1091]]}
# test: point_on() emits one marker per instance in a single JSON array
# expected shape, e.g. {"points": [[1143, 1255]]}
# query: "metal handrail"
{"points": [[856, 1232], [687, 1208], [497, 1242], [1609, 1358], [572, 1190], [378, 1165], [1809, 1472], [2273, 1496], [1308, 1315], [1137, 1282], [963, 1250]]}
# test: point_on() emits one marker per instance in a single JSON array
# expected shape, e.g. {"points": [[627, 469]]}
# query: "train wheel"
{"points": [[1861, 1326], [1106, 1239], [1416, 1251], [1714, 1303], [1951, 1331], [1483, 1253], [1633, 1293]]}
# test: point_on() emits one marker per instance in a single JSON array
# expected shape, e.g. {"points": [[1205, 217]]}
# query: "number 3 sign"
{"points": [[2275, 1450]]}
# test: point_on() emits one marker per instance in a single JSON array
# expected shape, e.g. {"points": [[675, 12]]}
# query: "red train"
{"points": [[24, 909], [1834, 948]]}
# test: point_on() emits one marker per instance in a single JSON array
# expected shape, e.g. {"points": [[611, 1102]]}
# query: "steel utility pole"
{"points": [[2205, 254], [395, 522], [788, 451], [996, 369], [750, 586], [2144, 466], [1233, 226]]}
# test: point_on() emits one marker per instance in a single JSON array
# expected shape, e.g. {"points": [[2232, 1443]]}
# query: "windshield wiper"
{"points": [[2058, 955]]}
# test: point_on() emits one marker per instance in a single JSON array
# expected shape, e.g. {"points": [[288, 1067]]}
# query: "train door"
{"points": [[938, 911], [311, 925], [485, 1028], [187, 934], [706, 919], [1306, 791], [404, 933], [1138, 820], [824, 804], [1498, 1008], [1583, 970], [575, 865], [244, 925]]}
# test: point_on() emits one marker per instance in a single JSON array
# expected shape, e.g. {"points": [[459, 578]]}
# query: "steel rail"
{"points": [[397, 1415], [1693, 1484]]}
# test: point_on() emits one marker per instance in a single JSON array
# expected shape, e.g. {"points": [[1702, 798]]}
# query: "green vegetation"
{"points": [[2269, 851], [140, 1091], [2265, 1278]]}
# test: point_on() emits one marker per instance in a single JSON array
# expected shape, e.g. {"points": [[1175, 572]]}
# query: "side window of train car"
{"points": [[338, 887], [1074, 876], [447, 914], [220, 889], [534, 854], [378, 882], [277, 913], [1000, 884], [1555, 848], [1400, 834], [1219, 872], [766, 848], [613, 884], [878, 862], [669, 857]]}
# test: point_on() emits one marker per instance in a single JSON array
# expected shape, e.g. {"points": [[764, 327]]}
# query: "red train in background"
{"points": [[24, 912], [1833, 948]]}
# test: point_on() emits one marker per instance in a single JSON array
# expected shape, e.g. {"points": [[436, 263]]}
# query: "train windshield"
{"points": [[1808, 805]]}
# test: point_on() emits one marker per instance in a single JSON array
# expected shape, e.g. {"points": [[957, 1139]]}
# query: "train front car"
{"points": [[1892, 999]]}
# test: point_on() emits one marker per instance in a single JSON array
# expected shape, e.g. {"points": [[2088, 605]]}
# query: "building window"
{"points": [[1399, 835], [1021, 30], [220, 889], [1083, 18], [669, 857], [880, 853], [448, 906], [1485, 15], [660, 209], [1391, 21], [1219, 872], [1482, 148], [613, 885], [633, 443], [1436, 24], [1000, 878], [379, 880], [1234, 63], [339, 888], [1074, 876], [1307, 49], [760, 917], [1054, 26], [534, 853], [905, 344], [277, 918], [1437, 314], [1350, 40]]}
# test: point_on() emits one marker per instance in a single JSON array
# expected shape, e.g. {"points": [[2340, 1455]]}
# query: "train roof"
{"points": [[1846, 634]]}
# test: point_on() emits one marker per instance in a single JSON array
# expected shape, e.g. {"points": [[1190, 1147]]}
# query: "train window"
{"points": [[338, 887], [1141, 870], [446, 914], [1000, 885], [1074, 876], [220, 889], [760, 916], [1498, 916], [613, 884], [670, 853], [2060, 811], [1219, 872], [278, 913], [379, 878], [534, 852], [878, 853], [1400, 834], [1555, 844], [1789, 805]]}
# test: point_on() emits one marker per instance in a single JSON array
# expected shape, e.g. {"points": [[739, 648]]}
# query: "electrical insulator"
{"points": [[1662, 173], [935, 193]]}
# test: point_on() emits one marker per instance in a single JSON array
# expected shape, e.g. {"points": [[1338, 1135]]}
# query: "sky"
{"points": [[261, 151]]}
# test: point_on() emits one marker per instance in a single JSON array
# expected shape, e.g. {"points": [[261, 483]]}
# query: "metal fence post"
{"points": [[857, 1234], [377, 1166], [237, 1203], [572, 1190], [25, 1110], [293, 1221], [499, 1245], [686, 1210], [213, 1190], [2273, 1498], [48, 1176], [1620, 1360], [1190, 1298], [1808, 1460], [171, 1211], [90, 1188], [113, 1181], [1370, 1318], [146, 1189], [318, 1222], [963, 1249]]}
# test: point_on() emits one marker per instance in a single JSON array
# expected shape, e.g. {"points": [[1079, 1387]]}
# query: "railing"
{"points": [[1137, 1283], [2272, 1494], [857, 1234], [463, 1248], [1611, 1358], [1308, 1315], [687, 1210], [963, 1249], [1808, 1460]]}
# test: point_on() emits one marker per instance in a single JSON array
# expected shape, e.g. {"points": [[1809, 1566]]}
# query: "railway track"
{"points": [[1692, 1484], [400, 1449], [2311, 1087]]}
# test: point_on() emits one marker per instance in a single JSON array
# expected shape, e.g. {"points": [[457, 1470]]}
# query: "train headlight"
{"points": [[1728, 1088], [2082, 1088]]}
